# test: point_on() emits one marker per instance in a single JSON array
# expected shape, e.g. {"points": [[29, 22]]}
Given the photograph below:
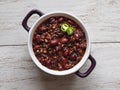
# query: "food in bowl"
{"points": [[59, 43]]}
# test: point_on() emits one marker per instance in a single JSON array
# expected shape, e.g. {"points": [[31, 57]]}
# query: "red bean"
{"points": [[77, 45], [63, 61], [43, 28], [64, 40], [48, 37], [68, 66], [54, 42], [67, 51], [52, 20], [83, 45], [60, 19], [58, 48], [73, 56], [77, 36], [37, 37], [74, 48], [78, 58], [60, 67], [72, 39], [81, 34], [36, 47], [80, 51], [48, 63], [43, 61], [70, 22], [55, 58], [54, 26], [60, 34]]}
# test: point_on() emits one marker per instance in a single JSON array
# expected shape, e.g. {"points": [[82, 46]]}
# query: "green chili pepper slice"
{"points": [[70, 31], [67, 29], [64, 27]]}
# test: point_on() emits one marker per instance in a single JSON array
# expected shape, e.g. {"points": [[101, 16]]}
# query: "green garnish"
{"points": [[64, 27], [70, 31], [67, 28]]}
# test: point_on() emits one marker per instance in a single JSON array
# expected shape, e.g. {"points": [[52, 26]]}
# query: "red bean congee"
{"points": [[59, 43]]}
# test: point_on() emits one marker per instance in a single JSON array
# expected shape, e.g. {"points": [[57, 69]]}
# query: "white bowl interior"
{"points": [[50, 71]]}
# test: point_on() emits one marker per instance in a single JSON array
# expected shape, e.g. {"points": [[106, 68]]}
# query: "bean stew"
{"points": [[59, 43]]}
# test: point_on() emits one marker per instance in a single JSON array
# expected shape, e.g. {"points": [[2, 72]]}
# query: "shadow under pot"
{"points": [[58, 43]]}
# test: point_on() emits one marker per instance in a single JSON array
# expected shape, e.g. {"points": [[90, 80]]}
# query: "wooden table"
{"points": [[100, 17]]}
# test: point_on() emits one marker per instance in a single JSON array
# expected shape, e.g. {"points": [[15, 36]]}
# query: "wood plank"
{"points": [[101, 18], [18, 72]]}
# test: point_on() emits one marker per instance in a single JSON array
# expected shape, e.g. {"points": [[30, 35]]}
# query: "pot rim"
{"points": [[35, 60]]}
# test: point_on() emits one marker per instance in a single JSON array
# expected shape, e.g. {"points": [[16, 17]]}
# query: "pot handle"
{"points": [[93, 64], [25, 20]]}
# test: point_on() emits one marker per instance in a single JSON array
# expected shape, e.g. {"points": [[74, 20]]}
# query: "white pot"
{"points": [[42, 18]]}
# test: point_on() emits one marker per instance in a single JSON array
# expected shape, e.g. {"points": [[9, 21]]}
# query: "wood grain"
{"points": [[100, 17], [18, 72]]}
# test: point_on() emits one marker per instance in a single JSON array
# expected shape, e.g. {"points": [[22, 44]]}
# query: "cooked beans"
{"points": [[55, 49]]}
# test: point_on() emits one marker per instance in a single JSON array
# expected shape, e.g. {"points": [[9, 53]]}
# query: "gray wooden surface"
{"points": [[100, 17]]}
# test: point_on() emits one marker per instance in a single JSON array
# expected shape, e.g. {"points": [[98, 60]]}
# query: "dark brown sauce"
{"points": [[57, 50]]}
